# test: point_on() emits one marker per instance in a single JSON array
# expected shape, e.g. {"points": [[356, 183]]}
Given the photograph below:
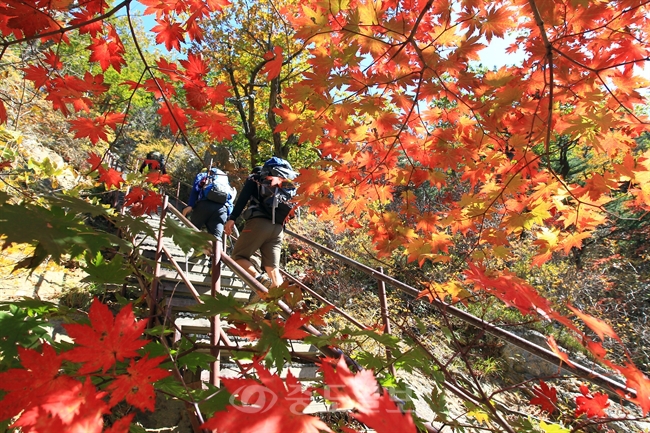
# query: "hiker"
{"points": [[265, 216], [154, 161], [211, 201]]}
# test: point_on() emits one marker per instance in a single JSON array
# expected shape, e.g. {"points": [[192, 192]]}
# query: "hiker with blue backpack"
{"points": [[266, 195], [211, 201]]}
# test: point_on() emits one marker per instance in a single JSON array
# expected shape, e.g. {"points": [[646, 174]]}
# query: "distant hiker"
{"points": [[211, 201], [154, 161], [267, 192]]}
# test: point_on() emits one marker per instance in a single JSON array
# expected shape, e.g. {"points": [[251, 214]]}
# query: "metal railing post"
{"points": [[154, 290], [383, 302], [215, 323]]}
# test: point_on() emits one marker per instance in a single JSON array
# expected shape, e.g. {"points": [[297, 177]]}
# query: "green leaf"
{"points": [[212, 399], [186, 238], [220, 305], [18, 328], [277, 348], [194, 360], [102, 272], [53, 231]]}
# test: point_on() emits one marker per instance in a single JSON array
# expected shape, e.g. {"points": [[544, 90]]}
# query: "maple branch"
{"points": [[455, 388], [63, 30], [549, 58], [148, 69]]}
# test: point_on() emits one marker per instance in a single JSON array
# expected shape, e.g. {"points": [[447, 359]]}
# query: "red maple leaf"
{"points": [[78, 406], [269, 406], [274, 65], [387, 417], [121, 425], [91, 128], [637, 381], [136, 386], [360, 391], [174, 118], [195, 95], [107, 339], [214, 123], [242, 330], [591, 405], [156, 177], [111, 177], [37, 74], [83, 16], [151, 202], [292, 327], [195, 66], [556, 349], [217, 95], [28, 20], [349, 390], [25, 385], [107, 51], [600, 327], [545, 397], [94, 160], [52, 59], [169, 69], [3, 112], [171, 34]]}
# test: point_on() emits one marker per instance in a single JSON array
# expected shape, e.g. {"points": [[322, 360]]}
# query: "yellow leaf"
{"points": [[553, 428], [479, 416]]}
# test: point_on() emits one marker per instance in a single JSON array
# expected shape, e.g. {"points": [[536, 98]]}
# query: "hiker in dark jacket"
{"points": [[259, 233], [154, 161]]}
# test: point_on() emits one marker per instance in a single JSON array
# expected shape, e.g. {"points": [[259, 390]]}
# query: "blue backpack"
{"points": [[276, 190], [215, 187]]}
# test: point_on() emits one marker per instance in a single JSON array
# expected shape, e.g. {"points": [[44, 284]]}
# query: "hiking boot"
{"points": [[264, 280]]}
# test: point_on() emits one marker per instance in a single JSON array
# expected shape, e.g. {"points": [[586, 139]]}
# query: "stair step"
{"points": [[228, 279], [181, 291]]}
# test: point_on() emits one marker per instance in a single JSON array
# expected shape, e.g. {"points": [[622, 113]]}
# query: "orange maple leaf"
{"points": [[273, 66], [592, 405], [111, 177], [554, 347], [597, 325]]}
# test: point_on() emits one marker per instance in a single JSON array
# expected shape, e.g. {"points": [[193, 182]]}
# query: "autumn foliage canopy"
{"points": [[419, 145]]}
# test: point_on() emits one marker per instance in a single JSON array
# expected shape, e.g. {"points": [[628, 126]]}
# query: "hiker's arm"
{"points": [[242, 200], [194, 195]]}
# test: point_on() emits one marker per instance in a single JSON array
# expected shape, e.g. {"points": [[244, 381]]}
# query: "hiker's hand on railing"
{"points": [[187, 210], [227, 229]]}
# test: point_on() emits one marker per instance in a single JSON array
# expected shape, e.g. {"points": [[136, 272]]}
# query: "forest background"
{"points": [[518, 193]]}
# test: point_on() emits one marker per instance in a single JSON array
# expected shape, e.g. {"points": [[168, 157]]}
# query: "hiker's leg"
{"points": [[200, 214], [216, 220], [248, 242], [276, 276], [271, 250]]}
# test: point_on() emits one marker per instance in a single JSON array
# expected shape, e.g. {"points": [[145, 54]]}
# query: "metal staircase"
{"points": [[180, 279]]}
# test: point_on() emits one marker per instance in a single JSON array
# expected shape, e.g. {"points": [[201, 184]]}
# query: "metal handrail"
{"points": [[540, 352]]}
